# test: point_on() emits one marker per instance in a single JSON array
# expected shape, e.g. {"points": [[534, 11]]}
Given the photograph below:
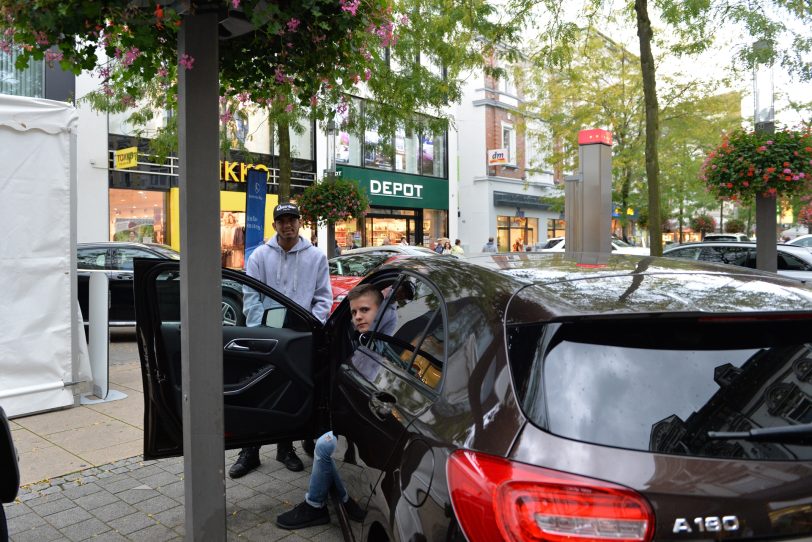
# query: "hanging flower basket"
{"points": [[703, 224], [747, 164], [328, 202]]}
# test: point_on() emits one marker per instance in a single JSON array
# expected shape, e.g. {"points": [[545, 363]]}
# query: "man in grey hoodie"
{"points": [[291, 265]]}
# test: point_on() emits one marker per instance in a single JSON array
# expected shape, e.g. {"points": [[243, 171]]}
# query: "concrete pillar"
{"points": [[588, 195]]}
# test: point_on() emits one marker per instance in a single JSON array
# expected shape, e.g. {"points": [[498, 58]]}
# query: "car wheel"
{"points": [[232, 312]]}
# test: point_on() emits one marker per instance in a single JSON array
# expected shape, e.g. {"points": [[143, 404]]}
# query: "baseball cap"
{"points": [[286, 209]]}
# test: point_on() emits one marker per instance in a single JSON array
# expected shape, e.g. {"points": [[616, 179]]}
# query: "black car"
{"points": [[528, 396], [9, 471], [115, 259]]}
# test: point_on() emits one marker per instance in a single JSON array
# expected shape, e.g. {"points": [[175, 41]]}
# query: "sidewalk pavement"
{"points": [[83, 477]]}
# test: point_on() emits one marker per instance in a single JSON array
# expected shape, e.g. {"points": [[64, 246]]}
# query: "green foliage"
{"points": [[734, 225], [329, 201], [703, 223], [750, 163]]}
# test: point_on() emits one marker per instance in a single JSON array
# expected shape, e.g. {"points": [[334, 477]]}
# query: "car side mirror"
{"points": [[274, 317]]}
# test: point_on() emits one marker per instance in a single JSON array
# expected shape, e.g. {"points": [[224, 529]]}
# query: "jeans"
{"points": [[325, 474]]}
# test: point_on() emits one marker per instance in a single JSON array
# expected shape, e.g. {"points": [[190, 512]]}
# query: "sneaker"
{"points": [[354, 511], [247, 461], [290, 460], [303, 515], [309, 446]]}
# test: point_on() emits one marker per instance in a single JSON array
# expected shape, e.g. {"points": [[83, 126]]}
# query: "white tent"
{"points": [[42, 345]]}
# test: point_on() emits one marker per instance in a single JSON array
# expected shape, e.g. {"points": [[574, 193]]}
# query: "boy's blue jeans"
{"points": [[325, 473]]}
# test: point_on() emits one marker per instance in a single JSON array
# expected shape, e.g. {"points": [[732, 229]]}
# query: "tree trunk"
{"points": [[644, 33], [283, 138]]}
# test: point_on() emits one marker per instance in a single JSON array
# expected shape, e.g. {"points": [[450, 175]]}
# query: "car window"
{"points": [[729, 255], [91, 258], [689, 253], [356, 265], [790, 262], [587, 382], [805, 242], [123, 257], [410, 334]]}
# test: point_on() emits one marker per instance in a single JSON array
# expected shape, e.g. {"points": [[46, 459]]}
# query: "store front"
{"points": [[413, 207], [144, 199]]}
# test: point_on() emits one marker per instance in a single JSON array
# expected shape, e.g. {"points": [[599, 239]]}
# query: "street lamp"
{"points": [[330, 175], [764, 120]]}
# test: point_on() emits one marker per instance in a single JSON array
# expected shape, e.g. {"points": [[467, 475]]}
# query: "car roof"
{"points": [[793, 249], [560, 285], [400, 249]]}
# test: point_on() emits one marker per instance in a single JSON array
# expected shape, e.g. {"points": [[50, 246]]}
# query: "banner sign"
{"points": [[126, 158], [392, 189], [590, 137], [497, 156], [255, 193]]}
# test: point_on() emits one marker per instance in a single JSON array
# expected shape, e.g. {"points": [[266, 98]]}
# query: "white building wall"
{"points": [[475, 223], [92, 161]]}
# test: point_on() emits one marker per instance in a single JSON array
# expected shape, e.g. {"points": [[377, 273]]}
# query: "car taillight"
{"points": [[497, 499]]}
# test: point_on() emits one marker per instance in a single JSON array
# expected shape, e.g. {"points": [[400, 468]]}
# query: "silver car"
{"points": [[795, 262]]}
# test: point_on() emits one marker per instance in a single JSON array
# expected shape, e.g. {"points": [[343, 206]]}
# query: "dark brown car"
{"points": [[529, 396]]}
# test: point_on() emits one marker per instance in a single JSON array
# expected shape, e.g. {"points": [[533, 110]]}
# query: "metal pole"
{"points": [[201, 323], [764, 120]]}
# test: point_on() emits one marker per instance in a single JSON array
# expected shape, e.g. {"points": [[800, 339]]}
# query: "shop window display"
{"points": [[516, 233], [232, 239], [137, 216]]}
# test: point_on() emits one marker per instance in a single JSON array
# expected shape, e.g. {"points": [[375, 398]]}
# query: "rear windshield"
{"points": [[662, 385]]}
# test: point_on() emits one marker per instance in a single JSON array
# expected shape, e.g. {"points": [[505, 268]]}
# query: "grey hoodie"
{"points": [[301, 274]]}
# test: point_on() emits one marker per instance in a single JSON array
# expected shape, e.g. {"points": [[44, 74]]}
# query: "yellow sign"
{"points": [[126, 158], [238, 171]]}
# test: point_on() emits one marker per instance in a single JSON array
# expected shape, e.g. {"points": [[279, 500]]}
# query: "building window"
{"points": [[556, 228], [407, 149], [138, 215], [28, 82], [509, 143], [516, 233], [377, 149], [507, 84]]}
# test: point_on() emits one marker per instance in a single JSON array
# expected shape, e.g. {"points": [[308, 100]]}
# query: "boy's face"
{"points": [[362, 311]]}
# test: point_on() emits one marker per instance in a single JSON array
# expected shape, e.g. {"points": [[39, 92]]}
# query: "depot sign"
{"points": [[392, 189]]}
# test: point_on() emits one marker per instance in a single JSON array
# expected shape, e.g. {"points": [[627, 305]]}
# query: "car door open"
{"points": [[269, 369]]}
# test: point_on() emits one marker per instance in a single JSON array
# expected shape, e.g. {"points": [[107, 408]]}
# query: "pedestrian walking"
{"points": [[457, 250], [490, 246], [438, 248], [290, 264]]}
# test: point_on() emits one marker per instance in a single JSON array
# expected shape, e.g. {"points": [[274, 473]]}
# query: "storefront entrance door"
{"points": [[390, 229]]}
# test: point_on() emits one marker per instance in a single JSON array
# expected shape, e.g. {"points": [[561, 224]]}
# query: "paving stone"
{"points": [[85, 529], [156, 505], [238, 493], [159, 479], [129, 524], [51, 490], [25, 522], [120, 484], [110, 536], [81, 491], [113, 511], [42, 499], [96, 500], [52, 506], [171, 518], [16, 509], [43, 533], [174, 490], [134, 495], [68, 517], [242, 520], [155, 533], [259, 504]]}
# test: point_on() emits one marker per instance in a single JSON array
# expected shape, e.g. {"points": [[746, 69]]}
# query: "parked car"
{"points": [[9, 471], [115, 259], [795, 262], [735, 237], [618, 247], [392, 249], [802, 241], [527, 396]]}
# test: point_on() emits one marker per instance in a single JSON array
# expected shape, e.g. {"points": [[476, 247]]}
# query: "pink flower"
{"points": [[130, 56], [162, 72], [762, 149], [293, 24], [289, 108], [769, 143], [41, 38], [314, 101], [186, 61], [53, 56], [350, 6], [787, 170], [226, 117], [235, 3], [367, 74], [5, 46]]}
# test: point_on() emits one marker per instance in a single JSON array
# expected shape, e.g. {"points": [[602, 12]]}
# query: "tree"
{"points": [[695, 27], [691, 121]]}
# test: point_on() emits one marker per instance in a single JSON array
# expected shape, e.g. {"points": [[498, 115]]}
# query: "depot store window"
{"points": [[406, 151], [138, 215]]}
